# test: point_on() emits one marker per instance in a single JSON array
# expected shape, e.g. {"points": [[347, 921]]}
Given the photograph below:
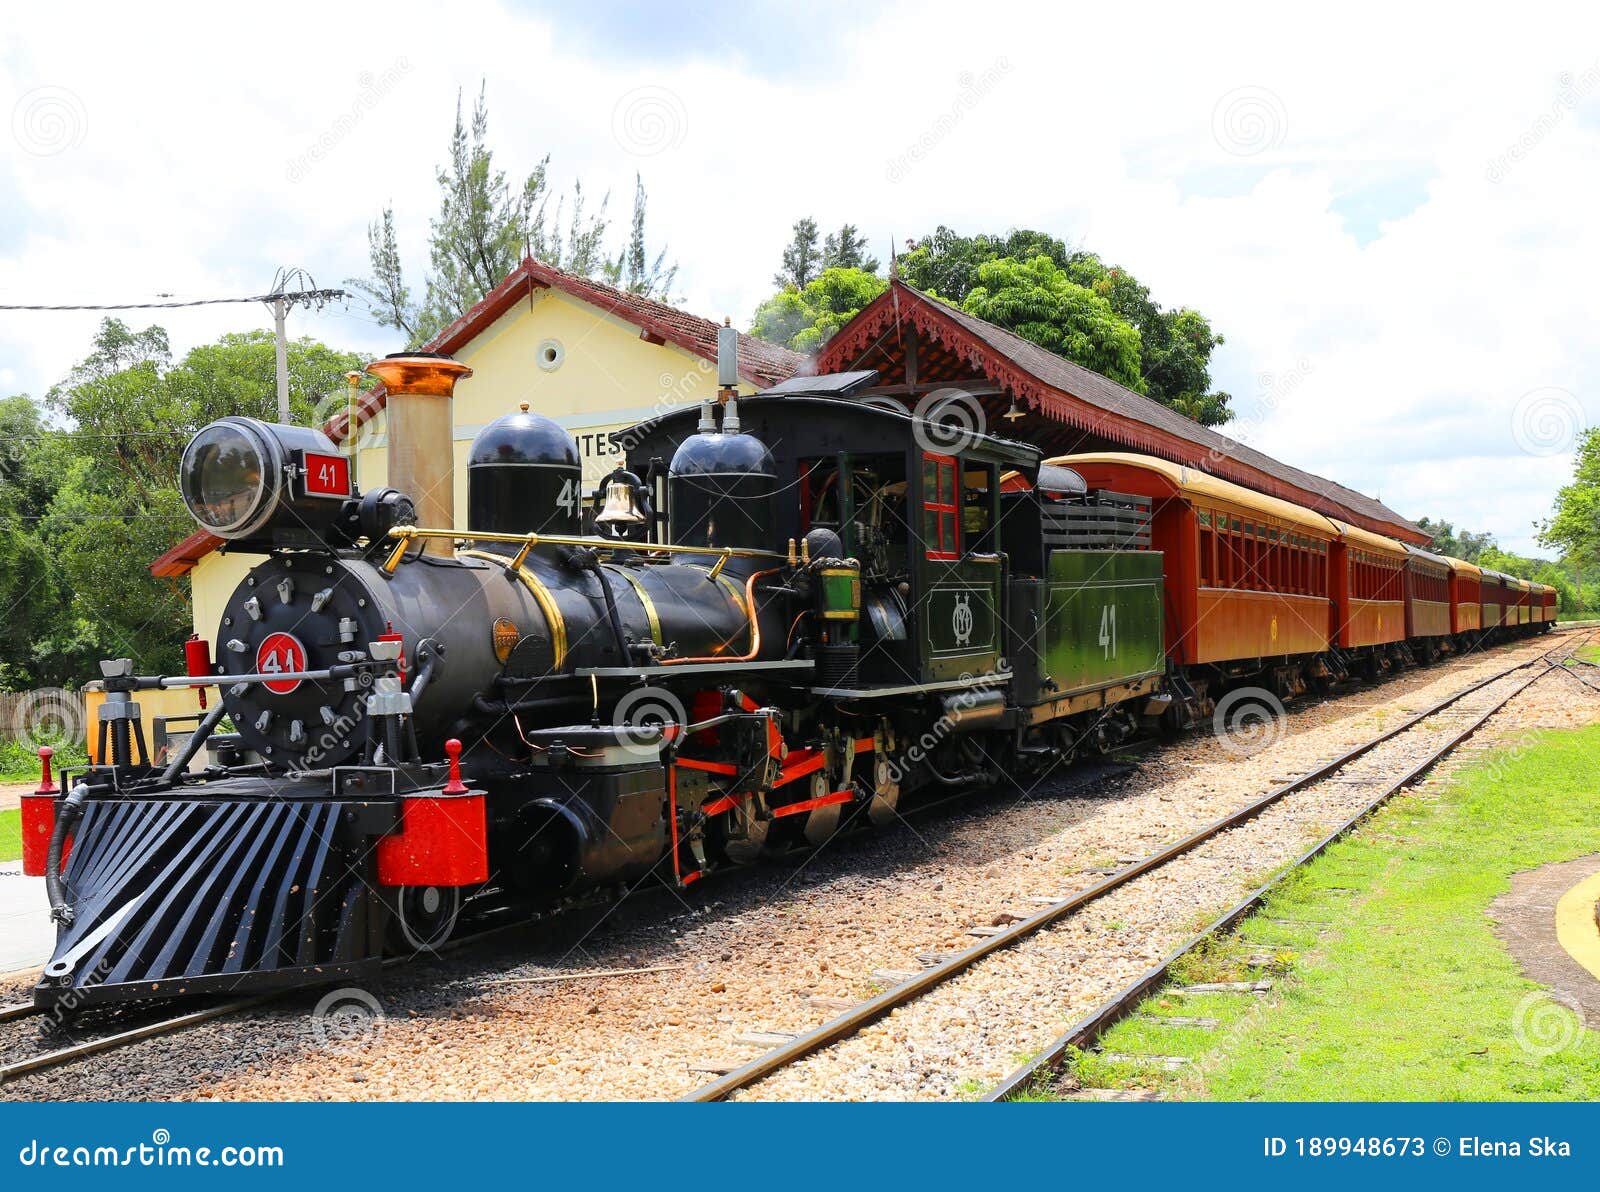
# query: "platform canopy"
{"points": [[919, 346]]}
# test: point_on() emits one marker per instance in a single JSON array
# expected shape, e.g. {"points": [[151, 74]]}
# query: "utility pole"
{"points": [[280, 300], [280, 311]]}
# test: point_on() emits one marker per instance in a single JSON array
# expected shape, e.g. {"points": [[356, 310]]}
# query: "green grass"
{"points": [[1390, 984], [10, 835], [19, 761], [1589, 654]]}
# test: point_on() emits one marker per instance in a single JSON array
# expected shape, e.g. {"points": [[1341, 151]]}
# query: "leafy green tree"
{"points": [[1175, 345], [1573, 526], [801, 260], [30, 594], [847, 249], [1040, 302], [1458, 544], [805, 319], [127, 413]]}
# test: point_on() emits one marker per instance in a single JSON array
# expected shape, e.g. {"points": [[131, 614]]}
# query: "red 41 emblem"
{"points": [[281, 654]]}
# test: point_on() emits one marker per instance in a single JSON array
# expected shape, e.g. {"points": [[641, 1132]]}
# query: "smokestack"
{"points": [[420, 402], [727, 355]]}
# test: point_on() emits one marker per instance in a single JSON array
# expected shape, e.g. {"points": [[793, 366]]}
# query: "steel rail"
{"points": [[852, 1021], [77, 1051], [1089, 1029]]}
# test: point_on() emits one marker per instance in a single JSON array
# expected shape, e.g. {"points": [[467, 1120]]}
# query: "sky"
{"points": [[1390, 215]]}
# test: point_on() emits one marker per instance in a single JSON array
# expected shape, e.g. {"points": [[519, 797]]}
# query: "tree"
{"points": [[633, 270], [1573, 526], [1458, 544], [30, 593], [1038, 301], [1175, 345], [484, 226], [945, 262], [801, 261], [847, 249], [128, 413], [805, 319]]}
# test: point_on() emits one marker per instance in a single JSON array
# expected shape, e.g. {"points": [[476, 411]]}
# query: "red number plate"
{"points": [[327, 475], [281, 654]]}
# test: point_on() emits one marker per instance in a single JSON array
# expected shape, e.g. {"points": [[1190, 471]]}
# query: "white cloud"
{"points": [[216, 145]]}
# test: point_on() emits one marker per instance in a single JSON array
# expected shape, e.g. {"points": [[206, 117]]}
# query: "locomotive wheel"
{"points": [[822, 822], [423, 917], [746, 835], [884, 808]]}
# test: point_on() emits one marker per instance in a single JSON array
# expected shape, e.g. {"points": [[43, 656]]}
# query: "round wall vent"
{"points": [[550, 354]]}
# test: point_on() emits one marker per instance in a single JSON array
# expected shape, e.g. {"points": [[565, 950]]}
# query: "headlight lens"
{"points": [[224, 478]]}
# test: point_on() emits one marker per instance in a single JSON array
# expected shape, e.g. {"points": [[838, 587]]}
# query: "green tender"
{"points": [[1103, 618]]}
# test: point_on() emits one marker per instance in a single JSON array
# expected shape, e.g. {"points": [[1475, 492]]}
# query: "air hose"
{"points": [[67, 816]]}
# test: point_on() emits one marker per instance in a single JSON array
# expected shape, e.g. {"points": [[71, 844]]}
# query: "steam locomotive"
{"points": [[793, 612]]}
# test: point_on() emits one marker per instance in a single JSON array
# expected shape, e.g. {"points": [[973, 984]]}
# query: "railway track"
{"points": [[853, 1021], [171, 1024], [829, 1033]]}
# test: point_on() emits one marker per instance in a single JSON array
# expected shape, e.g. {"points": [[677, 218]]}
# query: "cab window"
{"points": [[941, 506]]}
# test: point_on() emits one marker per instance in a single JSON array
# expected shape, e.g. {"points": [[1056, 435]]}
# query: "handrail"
{"points": [[405, 535]]}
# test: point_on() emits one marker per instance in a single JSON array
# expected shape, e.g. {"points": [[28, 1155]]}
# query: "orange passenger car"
{"points": [[1368, 588], [1427, 588], [1246, 574]]}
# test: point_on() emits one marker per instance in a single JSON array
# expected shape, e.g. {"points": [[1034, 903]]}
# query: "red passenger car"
{"points": [[1427, 595], [1368, 591], [1466, 599], [1247, 574]]}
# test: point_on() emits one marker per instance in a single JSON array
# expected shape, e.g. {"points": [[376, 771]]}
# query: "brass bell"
{"points": [[621, 506]]}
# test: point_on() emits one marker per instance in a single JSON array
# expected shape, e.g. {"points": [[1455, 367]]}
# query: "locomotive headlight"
{"points": [[242, 478], [228, 478]]}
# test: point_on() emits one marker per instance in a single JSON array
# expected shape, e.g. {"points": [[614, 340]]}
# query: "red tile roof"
{"points": [[1080, 397], [760, 363]]}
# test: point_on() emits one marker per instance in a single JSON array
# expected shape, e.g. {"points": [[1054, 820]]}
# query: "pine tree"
{"points": [[633, 270], [483, 227], [801, 261], [847, 249]]}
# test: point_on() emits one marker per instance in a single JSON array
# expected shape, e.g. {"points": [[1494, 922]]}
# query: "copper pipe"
{"points": [[755, 626]]}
